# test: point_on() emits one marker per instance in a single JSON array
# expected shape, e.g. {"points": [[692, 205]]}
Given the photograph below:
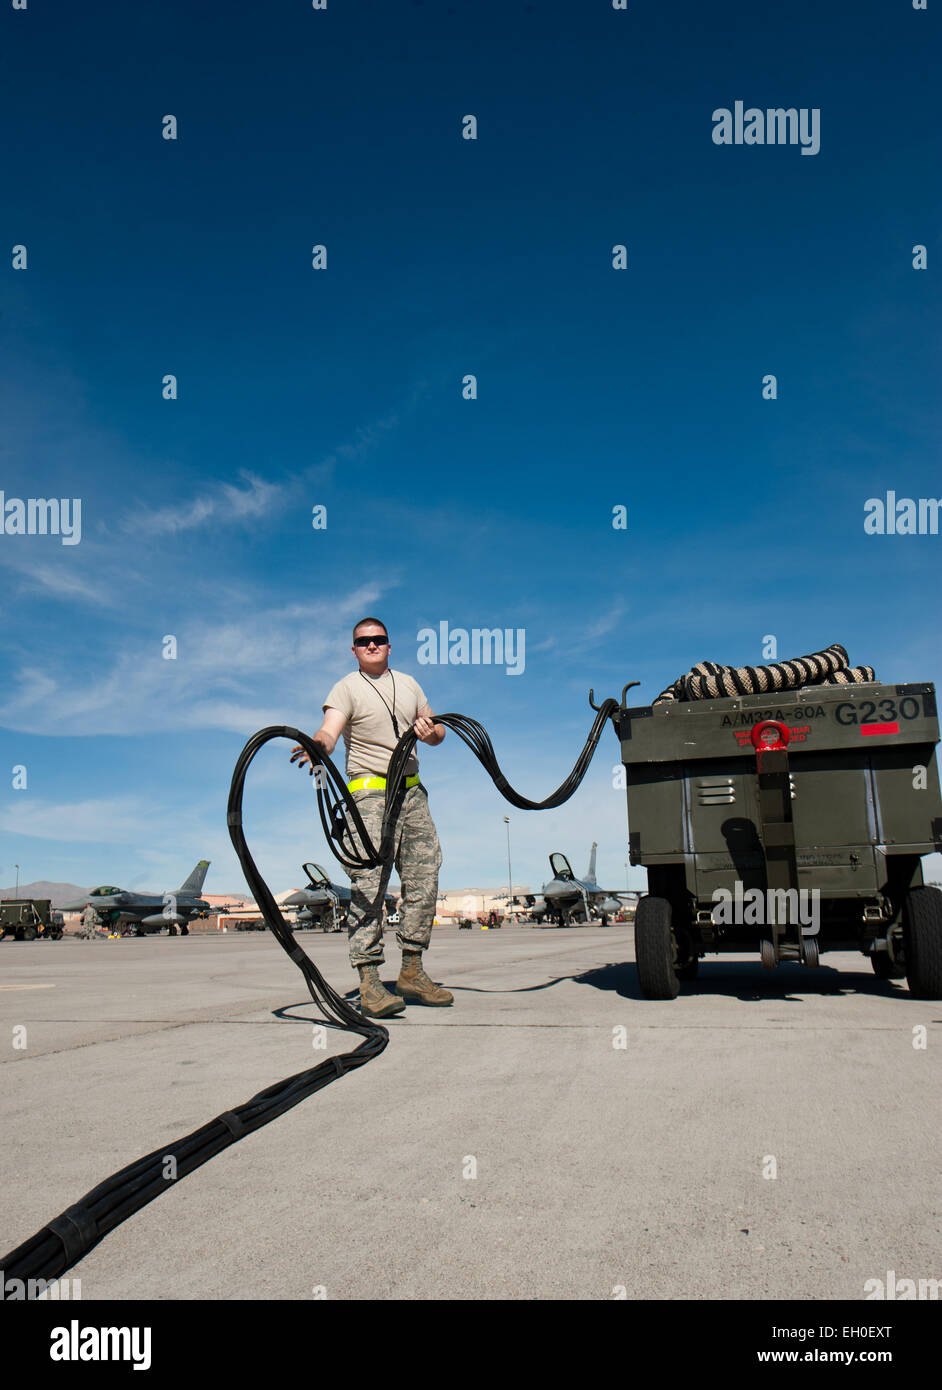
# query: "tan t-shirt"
{"points": [[368, 733]]}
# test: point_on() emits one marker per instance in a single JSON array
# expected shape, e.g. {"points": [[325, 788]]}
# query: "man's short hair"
{"points": [[376, 623]]}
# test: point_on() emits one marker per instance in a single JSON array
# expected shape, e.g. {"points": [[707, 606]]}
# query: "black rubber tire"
{"points": [[29, 933], [922, 941], [886, 969], [654, 949]]}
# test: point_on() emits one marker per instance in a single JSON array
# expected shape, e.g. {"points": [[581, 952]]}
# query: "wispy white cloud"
{"points": [[368, 436], [227, 503], [114, 819], [602, 625], [59, 574], [236, 674], [220, 504]]}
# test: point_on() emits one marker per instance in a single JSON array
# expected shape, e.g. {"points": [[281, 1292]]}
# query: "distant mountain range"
{"points": [[58, 892]]}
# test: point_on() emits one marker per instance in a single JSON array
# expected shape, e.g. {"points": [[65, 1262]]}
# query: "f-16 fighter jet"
{"points": [[324, 903], [571, 899], [121, 909]]}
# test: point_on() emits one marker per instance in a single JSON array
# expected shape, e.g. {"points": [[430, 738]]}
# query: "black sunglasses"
{"points": [[374, 641]]}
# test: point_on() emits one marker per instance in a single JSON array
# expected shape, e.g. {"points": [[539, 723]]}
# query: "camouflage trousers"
{"points": [[418, 859]]}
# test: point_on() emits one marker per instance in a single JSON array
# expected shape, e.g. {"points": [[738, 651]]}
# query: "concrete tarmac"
{"points": [[551, 1135]]}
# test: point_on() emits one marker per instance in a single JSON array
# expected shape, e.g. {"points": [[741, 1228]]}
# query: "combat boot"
{"points": [[413, 983], [375, 998]]}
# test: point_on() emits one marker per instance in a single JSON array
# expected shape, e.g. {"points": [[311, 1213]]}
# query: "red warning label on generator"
{"points": [[879, 729], [798, 735]]}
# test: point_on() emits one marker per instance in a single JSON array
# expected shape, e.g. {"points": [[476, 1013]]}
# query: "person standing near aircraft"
{"points": [[372, 707]]}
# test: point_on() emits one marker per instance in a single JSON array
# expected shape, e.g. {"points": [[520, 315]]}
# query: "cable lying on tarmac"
{"points": [[61, 1243]]}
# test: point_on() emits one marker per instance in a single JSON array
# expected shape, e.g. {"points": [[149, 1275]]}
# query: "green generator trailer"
{"points": [[788, 824], [27, 919]]}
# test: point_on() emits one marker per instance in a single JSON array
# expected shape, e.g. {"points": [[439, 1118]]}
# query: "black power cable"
{"points": [[61, 1243], [343, 826]]}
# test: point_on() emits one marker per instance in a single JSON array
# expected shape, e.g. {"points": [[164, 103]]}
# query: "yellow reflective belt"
{"points": [[378, 784]]}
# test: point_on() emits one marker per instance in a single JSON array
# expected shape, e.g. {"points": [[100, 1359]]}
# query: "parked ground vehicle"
{"points": [[790, 824], [27, 919]]}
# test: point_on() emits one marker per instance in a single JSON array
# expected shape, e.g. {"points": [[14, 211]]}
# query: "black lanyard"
{"points": [[392, 712]]}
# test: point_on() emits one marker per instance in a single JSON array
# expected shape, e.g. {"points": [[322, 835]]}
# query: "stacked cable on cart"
{"points": [[709, 681]]}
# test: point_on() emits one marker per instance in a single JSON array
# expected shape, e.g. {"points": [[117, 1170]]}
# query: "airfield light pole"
{"points": [[510, 879], [627, 886], [17, 893]]}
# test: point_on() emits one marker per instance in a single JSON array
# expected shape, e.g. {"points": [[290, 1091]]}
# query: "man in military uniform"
{"points": [[90, 922], [372, 707]]}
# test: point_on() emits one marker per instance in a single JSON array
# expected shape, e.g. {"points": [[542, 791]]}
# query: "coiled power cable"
{"points": [[64, 1241], [77, 1230], [710, 681]]}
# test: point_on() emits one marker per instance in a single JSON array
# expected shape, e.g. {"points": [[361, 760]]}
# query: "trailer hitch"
{"points": [[777, 831]]}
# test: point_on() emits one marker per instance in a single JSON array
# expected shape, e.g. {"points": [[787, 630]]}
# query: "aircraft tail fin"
{"points": [[590, 876], [194, 884]]}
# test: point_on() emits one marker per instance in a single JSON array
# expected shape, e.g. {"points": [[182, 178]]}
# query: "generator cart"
{"points": [[788, 824], [29, 918]]}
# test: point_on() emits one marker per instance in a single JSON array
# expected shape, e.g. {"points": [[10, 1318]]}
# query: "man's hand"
{"points": [[427, 731], [299, 756], [325, 738]]}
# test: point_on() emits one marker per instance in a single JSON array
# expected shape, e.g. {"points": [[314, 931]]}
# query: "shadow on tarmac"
{"points": [[750, 983], [734, 979], [739, 979]]}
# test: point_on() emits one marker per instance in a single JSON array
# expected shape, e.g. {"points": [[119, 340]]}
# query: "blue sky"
{"points": [[342, 388]]}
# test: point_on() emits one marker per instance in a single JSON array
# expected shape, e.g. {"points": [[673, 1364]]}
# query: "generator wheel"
{"points": [[922, 942], [886, 969], [767, 949], [29, 933], [654, 949], [810, 951]]}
